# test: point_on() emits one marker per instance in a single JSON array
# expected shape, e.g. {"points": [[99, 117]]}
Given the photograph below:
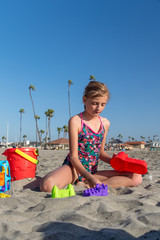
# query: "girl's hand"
{"points": [[93, 181], [114, 154]]}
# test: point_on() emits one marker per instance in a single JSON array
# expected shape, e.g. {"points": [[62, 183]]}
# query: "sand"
{"points": [[126, 213]]}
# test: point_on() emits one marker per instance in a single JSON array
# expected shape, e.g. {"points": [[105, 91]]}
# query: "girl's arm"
{"points": [[74, 128], [103, 155]]}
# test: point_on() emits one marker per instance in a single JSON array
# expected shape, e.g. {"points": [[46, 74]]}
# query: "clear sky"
{"points": [[48, 42]]}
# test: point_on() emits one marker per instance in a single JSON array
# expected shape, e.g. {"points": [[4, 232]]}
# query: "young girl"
{"points": [[87, 136]]}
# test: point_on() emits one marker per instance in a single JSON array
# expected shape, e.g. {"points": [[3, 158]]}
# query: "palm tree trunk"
{"points": [[36, 134], [37, 130], [49, 130], [46, 140], [20, 128], [69, 103]]}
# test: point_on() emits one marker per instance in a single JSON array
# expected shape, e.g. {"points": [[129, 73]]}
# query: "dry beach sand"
{"points": [[126, 213]]}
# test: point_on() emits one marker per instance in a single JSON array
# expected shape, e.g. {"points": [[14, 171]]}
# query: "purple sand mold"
{"points": [[99, 190]]}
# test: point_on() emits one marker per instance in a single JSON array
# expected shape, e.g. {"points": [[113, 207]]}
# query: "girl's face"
{"points": [[94, 106]]}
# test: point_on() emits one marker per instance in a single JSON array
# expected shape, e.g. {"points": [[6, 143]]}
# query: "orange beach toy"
{"points": [[2, 179], [122, 163]]}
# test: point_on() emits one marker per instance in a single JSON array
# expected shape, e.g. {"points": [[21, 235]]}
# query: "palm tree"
{"points": [[69, 84], [37, 130], [155, 137], [31, 87], [129, 138], [50, 115], [92, 78], [42, 132], [142, 138], [3, 138], [65, 131], [149, 140], [59, 129], [21, 112], [46, 138], [24, 139], [120, 136]]}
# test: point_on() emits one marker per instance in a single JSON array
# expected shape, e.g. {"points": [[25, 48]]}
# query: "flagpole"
{"points": [[7, 135]]}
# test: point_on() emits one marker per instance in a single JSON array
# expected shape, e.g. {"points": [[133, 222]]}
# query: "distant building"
{"points": [[61, 143], [2, 145], [118, 144], [115, 144], [134, 145], [154, 145], [5, 145]]}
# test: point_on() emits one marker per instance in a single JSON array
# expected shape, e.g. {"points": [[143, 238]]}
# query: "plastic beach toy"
{"points": [[99, 190], [122, 163], [5, 177], [3, 195], [22, 162], [61, 193]]}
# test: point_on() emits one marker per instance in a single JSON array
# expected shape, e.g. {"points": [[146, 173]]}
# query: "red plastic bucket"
{"points": [[22, 162]]}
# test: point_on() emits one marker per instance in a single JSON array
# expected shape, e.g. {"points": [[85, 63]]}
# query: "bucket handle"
{"points": [[26, 156]]}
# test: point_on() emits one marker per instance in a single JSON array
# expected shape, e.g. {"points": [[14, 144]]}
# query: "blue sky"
{"points": [[46, 43]]}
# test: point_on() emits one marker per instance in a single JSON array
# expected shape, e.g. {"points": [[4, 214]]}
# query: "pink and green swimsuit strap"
{"points": [[89, 144]]}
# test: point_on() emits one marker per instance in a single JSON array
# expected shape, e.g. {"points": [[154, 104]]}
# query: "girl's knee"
{"points": [[136, 180], [46, 185]]}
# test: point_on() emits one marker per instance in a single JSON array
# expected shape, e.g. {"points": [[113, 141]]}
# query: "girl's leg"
{"points": [[116, 179], [59, 177]]}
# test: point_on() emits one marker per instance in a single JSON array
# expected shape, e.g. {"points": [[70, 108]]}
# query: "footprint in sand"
{"points": [[38, 208], [123, 191], [151, 218], [158, 204], [131, 204]]}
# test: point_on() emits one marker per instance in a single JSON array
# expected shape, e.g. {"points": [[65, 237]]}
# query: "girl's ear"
{"points": [[84, 99]]}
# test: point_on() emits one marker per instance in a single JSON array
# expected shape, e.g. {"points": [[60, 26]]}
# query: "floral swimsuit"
{"points": [[89, 144]]}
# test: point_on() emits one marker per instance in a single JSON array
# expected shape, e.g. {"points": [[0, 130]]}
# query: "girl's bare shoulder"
{"points": [[75, 121], [105, 122]]}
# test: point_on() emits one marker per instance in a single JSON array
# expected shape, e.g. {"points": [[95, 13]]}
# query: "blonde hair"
{"points": [[96, 89]]}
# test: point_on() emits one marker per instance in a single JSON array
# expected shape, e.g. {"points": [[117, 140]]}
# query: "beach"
{"points": [[126, 213]]}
